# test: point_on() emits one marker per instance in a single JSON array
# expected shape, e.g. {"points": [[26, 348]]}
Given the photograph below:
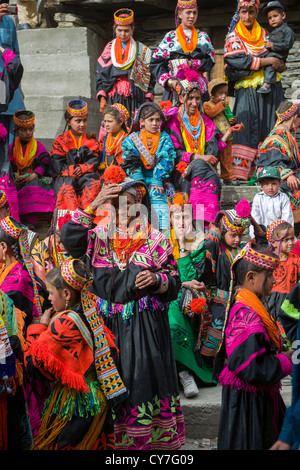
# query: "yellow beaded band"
{"points": [[233, 228], [83, 111], [70, 276], [24, 122], [10, 228], [189, 5], [3, 200], [123, 17]]}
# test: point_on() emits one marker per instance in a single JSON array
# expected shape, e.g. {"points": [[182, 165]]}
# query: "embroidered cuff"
{"points": [[81, 217], [101, 94], [164, 283], [255, 63], [164, 78], [150, 96], [196, 64]]}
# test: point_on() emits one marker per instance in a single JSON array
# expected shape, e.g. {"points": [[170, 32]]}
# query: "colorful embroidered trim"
{"points": [[10, 228], [272, 228], [29, 122], [122, 110], [3, 200], [232, 228], [187, 5], [124, 17], [287, 114], [70, 276], [83, 111], [82, 218], [248, 3], [107, 373], [142, 149]]}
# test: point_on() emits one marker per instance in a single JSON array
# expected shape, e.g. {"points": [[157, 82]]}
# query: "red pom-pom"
{"points": [[243, 209], [63, 220], [198, 305], [165, 105], [181, 167], [114, 174]]}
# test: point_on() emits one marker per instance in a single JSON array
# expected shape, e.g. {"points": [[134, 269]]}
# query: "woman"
{"points": [[61, 347], [245, 57], [280, 149], [185, 49], [123, 73], [189, 316], [197, 142], [134, 279]]}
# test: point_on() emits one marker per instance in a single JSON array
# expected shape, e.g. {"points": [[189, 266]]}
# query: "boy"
{"points": [[281, 40], [270, 204], [217, 109]]}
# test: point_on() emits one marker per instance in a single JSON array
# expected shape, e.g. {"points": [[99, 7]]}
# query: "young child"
{"points": [[149, 155], [281, 237], [280, 41], [222, 244], [68, 346], [252, 359], [114, 117], [75, 160], [270, 204], [218, 110], [30, 164]]}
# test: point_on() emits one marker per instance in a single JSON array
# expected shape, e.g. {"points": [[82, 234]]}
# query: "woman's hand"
{"points": [[207, 158], [21, 181], [199, 286], [280, 445], [46, 317], [77, 172], [107, 192], [103, 104], [3, 10], [292, 182], [159, 189], [145, 279]]}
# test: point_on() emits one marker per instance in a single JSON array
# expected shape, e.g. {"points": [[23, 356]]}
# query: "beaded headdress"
{"points": [[82, 111], [287, 114], [122, 110], [242, 4], [179, 202], [124, 17], [187, 5], [70, 276], [236, 220], [27, 119]]}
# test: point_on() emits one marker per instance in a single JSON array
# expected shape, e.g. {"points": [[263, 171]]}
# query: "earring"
{"points": [[67, 305]]}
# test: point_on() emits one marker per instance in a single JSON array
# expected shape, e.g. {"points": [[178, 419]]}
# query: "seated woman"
{"points": [[189, 316], [197, 142], [30, 163], [135, 278], [71, 349], [280, 149]]}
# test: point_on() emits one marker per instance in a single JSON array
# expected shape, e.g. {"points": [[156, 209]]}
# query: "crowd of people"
{"points": [[144, 285]]}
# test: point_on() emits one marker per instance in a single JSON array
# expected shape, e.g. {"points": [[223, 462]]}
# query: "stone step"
{"points": [[202, 412]]}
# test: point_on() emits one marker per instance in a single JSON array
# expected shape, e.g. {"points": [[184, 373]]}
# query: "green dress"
{"points": [[184, 328]]}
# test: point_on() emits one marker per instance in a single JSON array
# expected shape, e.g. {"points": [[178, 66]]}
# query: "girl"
{"points": [[61, 347], [114, 118], [256, 358], [123, 69], [74, 160], [188, 325], [30, 163], [281, 237], [222, 244], [186, 47], [149, 156]]}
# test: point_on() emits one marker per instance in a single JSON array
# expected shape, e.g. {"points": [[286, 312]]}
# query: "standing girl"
{"points": [[115, 118], [149, 156], [281, 237], [256, 358], [62, 348], [185, 48], [123, 69], [74, 160], [30, 163]]}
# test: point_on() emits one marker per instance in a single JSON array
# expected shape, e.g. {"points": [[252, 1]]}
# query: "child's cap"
{"points": [[273, 5], [214, 83], [268, 172]]}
